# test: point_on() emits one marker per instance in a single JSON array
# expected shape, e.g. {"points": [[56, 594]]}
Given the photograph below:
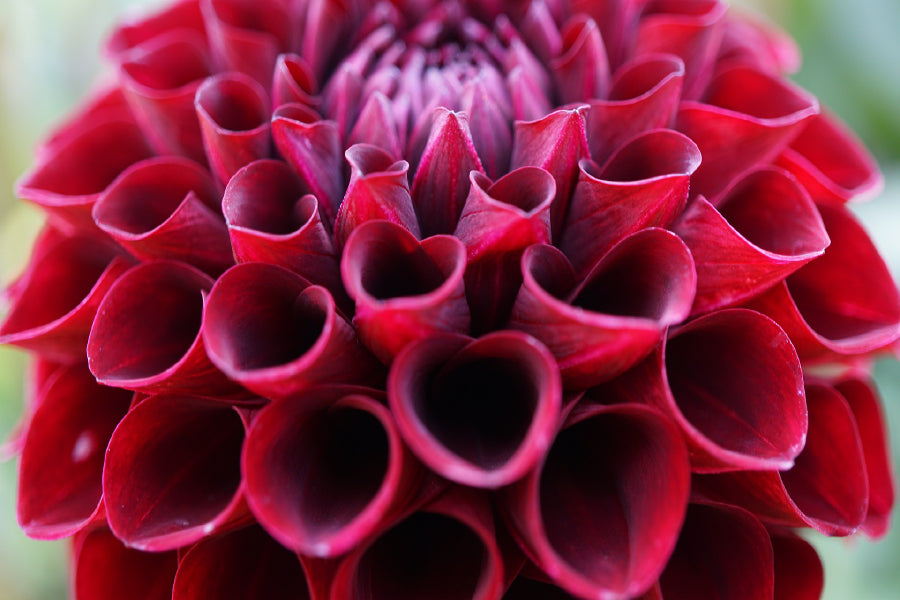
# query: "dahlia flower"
{"points": [[451, 299]]}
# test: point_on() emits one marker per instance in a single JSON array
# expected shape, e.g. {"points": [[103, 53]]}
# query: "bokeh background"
{"points": [[49, 58]]}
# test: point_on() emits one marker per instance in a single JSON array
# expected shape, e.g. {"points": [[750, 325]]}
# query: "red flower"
{"points": [[451, 299]]}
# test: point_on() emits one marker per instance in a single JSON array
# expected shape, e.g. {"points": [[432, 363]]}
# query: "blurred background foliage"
{"points": [[49, 58]]}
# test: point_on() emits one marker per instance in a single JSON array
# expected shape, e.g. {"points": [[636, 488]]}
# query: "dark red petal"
{"points": [[540, 30], [234, 119], [241, 565], [478, 412], [746, 119], [581, 69], [326, 471], [764, 229], [104, 569], [599, 328], [62, 457], [643, 95], [293, 81], [404, 290], [274, 333], [182, 14], [826, 489], [313, 149], [378, 189], [617, 20], [377, 126], [489, 119], [602, 513], [167, 208], [644, 184], [445, 551], [844, 302], [798, 571], [722, 552], [860, 394], [146, 336], [272, 219], [172, 473], [758, 44], [54, 301], [160, 78], [106, 103], [831, 163], [329, 24]]}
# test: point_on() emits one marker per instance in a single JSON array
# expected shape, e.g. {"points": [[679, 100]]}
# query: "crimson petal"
{"points": [[274, 333], [62, 458], [798, 571], [478, 412], [601, 327], [293, 81], [763, 229], [404, 290], [601, 513], [242, 565], [132, 32], [378, 126], [167, 208], [581, 69], [758, 44], [185, 452]]}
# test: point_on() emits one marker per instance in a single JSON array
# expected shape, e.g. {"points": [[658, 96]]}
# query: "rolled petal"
{"points": [[644, 184], [758, 44], [131, 32], [723, 551], [272, 219], [602, 512], [234, 119], [826, 489], [313, 149], [481, 413], [146, 336], [831, 163], [167, 208], [54, 301], [241, 565], [582, 69], [61, 466], [643, 95], [271, 331], [160, 79], [404, 290], [378, 189], [377, 126], [328, 25], [489, 111], [745, 120], [764, 229], [293, 82], [185, 452], [603, 326], [327, 470], [798, 571], [445, 550], [844, 302], [105, 569]]}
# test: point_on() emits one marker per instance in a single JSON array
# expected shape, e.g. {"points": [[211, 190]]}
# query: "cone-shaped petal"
{"points": [[167, 208], [329, 24], [104, 569], [644, 95], [603, 326], [377, 126], [272, 219], [160, 79], [404, 290], [722, 552], [831, 163], [146, 336], [644, 184], [798, 571], [274, 333], [378, 189], [56, 298], [489, 109], [326, 471], [763, 229], [185, 453], [293, 81], [844, 302], [582, 69], [241, 565], [62, 457], [313, 148], [617, 20], [826, 489], [234, 119], [601, 514], [71, 173], [746, 119], [480, 412], [441, 184], [446, 550]]}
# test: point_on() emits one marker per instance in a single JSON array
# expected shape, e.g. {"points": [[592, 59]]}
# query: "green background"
{"points": [[49, 58]]}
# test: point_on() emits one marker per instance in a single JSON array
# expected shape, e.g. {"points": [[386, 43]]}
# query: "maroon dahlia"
{"points": [[451, 299]]}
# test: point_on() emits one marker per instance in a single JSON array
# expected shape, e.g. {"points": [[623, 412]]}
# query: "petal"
{"points": [[293, 82], [581, 69], [798, 570], [377, 126], [489, 122], [758, 44], [182, 14]]}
